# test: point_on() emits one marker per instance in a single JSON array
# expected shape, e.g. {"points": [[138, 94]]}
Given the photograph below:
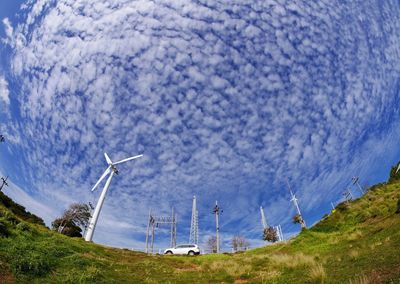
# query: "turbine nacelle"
{"points": [[112, 167]]}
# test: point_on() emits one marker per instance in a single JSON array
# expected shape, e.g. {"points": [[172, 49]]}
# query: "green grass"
{"points": [[358, 243]]}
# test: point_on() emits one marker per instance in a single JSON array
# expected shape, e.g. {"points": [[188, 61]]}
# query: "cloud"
{"points": [[4, 92], [225, 100]]}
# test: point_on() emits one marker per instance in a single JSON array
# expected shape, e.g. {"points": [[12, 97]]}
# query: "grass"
{"points": [[358, 243]]}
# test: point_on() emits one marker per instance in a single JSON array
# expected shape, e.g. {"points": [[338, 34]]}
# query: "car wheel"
{"points": [[191, 252], [168, 252]]}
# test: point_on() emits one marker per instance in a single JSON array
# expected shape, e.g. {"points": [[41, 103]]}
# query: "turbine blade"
{"points": [[106, 172], [107, 159], [128, 159], [398, 168]]}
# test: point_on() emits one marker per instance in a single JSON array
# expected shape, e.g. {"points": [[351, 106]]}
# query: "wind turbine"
{"points": [[111, 170]]}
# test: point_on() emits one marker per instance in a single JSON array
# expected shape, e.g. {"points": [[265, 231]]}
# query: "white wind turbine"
{"points": [[111, 170]]}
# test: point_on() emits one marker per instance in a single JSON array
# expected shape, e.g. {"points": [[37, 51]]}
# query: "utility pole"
{"points": [[173, 228], [216, 212], [4, 183], [296, 204], [356, 181], [263, 220], [194, 226], [147, 234]]}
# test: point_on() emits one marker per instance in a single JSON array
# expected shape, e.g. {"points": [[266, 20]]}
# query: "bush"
{"points": [[3, 230], [23, 227], [30, 263], [398, 207]]}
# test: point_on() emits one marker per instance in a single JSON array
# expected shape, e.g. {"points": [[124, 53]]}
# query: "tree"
{"points": [[239, 243], [270, 235], [398, 207], [73, 220], [67, 228], [297, 219], [212, 244]]}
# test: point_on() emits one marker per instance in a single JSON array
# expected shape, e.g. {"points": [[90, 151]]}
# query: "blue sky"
{"points": [[225, 99]]}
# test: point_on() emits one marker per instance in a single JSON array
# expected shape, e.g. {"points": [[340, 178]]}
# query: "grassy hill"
{"points": [[358, 243]]}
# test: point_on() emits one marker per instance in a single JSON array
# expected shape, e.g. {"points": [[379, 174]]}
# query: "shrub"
{"points": [[30, 263], [398, 207], [3, 230], [23, 227]]}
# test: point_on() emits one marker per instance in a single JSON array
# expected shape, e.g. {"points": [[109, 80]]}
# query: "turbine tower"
{"points": [[111, 170], [296, 204], [263, 220], [194, 227]]}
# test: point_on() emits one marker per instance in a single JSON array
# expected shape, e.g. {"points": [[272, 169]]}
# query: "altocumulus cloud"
{"points": [[224, 98]]}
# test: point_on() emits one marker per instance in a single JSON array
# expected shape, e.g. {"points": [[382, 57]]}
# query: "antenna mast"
{"points": [[194, 227], [216, 212]]}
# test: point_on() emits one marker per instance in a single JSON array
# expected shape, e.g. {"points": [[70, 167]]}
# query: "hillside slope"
{"points": [[358, 243]]}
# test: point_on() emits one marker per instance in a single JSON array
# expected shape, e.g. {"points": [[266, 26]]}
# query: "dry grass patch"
{"points": [[232, 268], [360, 280], [355, 236], [317, 274], [292, 261]]}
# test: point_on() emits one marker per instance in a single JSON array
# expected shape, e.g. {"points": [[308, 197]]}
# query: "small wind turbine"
{"points": [[111, 170]]}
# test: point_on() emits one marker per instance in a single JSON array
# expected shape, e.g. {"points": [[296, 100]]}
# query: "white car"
{"points": [[183, 249]]}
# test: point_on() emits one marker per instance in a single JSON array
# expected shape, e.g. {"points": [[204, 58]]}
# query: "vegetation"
{"points": [[73, 220], [357, 243], [270, 234], [239, 243]]}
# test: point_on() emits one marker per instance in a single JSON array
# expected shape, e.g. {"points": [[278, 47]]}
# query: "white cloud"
{"points": [[222, 104], [4, 92]]}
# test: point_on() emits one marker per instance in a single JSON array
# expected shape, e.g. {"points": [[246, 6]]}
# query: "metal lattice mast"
{"points": [[356, 181], [216, 212], [281, 233], [263, 220], [155, 222], [194, 226]]}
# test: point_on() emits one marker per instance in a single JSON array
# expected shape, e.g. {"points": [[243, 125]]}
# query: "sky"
{"points": [[226, 100]]}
